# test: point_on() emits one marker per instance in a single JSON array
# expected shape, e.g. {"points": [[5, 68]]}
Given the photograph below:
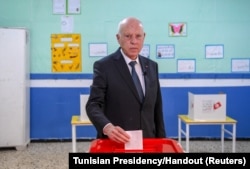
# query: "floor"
{"points": [[54, 155]]}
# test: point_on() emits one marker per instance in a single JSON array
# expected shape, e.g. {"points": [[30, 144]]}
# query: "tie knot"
{"points": [[132, 63]]}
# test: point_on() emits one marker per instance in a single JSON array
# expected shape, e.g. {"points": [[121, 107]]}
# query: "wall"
{"points": [[55, 96]]}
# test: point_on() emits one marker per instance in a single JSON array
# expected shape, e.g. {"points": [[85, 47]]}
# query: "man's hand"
{"points": [[116, 133]]}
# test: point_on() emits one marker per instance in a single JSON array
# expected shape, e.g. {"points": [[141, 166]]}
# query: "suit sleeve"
{"points": [[96, 102]]}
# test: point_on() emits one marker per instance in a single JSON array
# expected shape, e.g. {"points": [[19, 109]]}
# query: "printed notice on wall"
{"points": [[67, 23], [145, 51], [59, 6], [186, 65], [214, 51], [74, 7], [240, 65], [98, 49], [165, 51], [66, 52], [66, 6]]}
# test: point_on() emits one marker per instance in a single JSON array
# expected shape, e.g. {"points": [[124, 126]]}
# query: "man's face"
{"points": [[131, 39]]}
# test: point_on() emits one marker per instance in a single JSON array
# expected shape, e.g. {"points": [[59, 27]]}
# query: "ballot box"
{"points": [[154, 145], [207, 107]]}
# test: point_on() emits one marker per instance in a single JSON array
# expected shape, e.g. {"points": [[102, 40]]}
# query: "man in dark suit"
{"points": [[114, 104]]}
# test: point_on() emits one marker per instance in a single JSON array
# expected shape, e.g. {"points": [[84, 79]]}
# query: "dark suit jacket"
{"points": [[114, 99]]}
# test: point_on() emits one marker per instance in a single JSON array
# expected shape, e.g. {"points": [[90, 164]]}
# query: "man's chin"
{"points": [[133, 56]]}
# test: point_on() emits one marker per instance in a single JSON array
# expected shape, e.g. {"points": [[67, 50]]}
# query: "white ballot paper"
{"points": [[136, 140]]}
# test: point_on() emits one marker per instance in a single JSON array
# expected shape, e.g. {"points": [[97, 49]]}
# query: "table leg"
{"points": [[234, 137], [179, 130], [187, 138], [222, 137], [73, 138]]}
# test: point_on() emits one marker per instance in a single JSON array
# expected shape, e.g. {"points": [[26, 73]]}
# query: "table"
{"points": [[187, 121], [75, 121]]}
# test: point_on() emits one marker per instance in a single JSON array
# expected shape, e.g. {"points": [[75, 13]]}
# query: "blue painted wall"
{"points": [[53, 107]]}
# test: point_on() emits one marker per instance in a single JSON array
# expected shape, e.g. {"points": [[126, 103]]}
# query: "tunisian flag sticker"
{"points": [[217, 105]]}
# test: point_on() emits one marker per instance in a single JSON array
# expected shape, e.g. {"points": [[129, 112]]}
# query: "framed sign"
{"points": [[177, 29], [68, 7], [98, 49], [165, 51], [66, 53], [240, 65], [145, 51], [185, 65], [214, 51]]}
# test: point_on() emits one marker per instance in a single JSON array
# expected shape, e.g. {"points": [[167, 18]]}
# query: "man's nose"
{"points": [[133, 39]]}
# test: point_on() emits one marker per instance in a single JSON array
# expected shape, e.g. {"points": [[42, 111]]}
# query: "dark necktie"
{"points": [[136, 80]]}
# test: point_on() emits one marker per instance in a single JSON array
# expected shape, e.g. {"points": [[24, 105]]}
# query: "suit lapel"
{"points": [[123, 70], [145, 69]]}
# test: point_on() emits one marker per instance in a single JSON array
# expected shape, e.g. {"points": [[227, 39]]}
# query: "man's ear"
{"points": [[117, 36]]}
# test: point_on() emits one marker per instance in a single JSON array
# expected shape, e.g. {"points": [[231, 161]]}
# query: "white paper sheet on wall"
{"points": [[59, 6]]}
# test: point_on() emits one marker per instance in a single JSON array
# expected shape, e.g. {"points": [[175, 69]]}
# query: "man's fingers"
{"points": [[117, 134]]}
